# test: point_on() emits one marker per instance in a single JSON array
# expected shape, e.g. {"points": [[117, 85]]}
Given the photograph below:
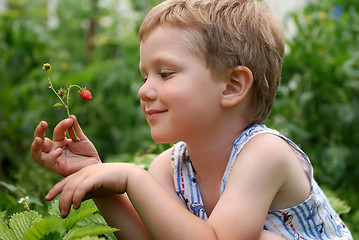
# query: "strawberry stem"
{"points": [[62, 101]]}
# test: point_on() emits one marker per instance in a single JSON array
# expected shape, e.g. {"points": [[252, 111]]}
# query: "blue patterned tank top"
{"points": [[312, 219]]}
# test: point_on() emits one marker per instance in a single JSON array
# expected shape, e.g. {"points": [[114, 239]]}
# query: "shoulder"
{"points": [[268, 150], [161, 169], [263, 164], [273, 167], [274, 153], [168, 159], [161, 165]]}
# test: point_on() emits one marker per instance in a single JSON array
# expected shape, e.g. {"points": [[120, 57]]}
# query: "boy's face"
{"points": [[180, 95]]}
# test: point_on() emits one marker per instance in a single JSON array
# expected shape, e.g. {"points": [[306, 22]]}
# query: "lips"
{"points": [[153, 113]]}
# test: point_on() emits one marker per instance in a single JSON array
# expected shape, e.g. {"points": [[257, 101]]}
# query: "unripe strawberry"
{"points": [[86, 95], [61, 92]]}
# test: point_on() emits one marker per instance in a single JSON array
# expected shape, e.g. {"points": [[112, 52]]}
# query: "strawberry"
{"points": [[86, 95]]}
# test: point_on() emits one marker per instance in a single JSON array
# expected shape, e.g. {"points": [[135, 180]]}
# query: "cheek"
{"points": [[142, 104], [176, 97]]}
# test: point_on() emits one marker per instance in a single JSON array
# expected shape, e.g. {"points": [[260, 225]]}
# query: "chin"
{"points": [[160, 138]]}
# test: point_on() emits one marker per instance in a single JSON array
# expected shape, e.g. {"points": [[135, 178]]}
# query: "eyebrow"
{"points": [[165, 59]]}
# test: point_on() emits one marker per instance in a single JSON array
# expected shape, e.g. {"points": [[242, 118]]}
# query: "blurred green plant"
{"points": [[317, 101]]}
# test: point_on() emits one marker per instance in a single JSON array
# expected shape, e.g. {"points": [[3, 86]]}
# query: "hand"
{"points": [[95, 181], [61, 155]]}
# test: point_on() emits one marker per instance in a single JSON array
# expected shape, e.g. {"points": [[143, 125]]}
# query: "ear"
{"points": [[239, 81]]}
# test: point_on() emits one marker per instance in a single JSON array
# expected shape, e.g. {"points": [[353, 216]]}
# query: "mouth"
{"points": [[152, 114]]}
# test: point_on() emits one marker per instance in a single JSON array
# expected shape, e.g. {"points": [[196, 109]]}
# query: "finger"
{"points": [[40, 130], [39, 136], [36, 149], [77, 129], [39, 146], [50, 159], [46, 145], [60, 129], [68, 191], [56, 189], [84, 189]]}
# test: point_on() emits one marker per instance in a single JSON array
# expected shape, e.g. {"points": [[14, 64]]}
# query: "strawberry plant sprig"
{"points": [[64, 94]]}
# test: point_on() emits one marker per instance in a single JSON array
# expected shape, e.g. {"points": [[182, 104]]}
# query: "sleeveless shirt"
{"points": [[312, 219]]}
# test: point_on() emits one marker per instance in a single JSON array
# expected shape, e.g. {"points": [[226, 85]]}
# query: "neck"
{"points": [[210, 155]]}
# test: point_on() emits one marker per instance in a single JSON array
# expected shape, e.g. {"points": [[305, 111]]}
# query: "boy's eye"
{"points": [[166, 74], [144, 79]]}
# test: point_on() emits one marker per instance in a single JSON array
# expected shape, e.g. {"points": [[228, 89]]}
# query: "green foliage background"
{"points": [[317, 103], [96, 45]]}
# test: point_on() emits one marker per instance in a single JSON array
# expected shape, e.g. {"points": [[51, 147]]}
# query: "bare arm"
{"points": [[119, 213], [239, 214]]}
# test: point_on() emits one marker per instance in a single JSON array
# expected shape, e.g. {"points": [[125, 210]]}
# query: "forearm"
{"points": [[119, 213], [267, 235], [163, 216], [150, 211]]}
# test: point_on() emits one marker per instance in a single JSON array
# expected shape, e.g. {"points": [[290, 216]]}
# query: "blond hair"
{"points": [[227, 33]]}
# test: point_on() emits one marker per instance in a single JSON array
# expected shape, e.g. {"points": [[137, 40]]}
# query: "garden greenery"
{"points": [[85, 224], [94, 43]]}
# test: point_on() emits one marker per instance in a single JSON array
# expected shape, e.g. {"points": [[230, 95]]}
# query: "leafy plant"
{"points": [[9, 199], [84, 223]]}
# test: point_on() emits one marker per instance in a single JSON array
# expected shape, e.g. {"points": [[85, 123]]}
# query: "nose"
{"points": [[147, 91]]}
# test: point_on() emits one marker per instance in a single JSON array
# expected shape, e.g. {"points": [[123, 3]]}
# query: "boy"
{"points": [[211, 69]]}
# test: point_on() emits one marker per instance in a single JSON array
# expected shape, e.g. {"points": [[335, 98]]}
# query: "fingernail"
{"points": [[63, 214]]}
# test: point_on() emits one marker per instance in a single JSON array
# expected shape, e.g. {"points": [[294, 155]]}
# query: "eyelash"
{"points": [[162, 74], [165, 74]]}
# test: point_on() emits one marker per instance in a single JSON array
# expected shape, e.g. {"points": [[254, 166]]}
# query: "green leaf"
{"points": [[71, 221], [52, 236], [87, 208], [2, 216], [96, 219], [58, 104], [92, 219], [10, 187], [92, 238], [6, 233], [47, 227], [90, 230], [339, 206], [53, 208], [21, 222]]}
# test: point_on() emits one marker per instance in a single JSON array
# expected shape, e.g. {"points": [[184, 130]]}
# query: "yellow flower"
{"points": [[46, 66], [308, 19], [322, 15]]}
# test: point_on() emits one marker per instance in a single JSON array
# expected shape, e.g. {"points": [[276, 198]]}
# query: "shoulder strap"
{"points": [[253, 131], [185, 181]]}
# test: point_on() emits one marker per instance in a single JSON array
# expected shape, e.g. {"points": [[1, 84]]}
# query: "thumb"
{"points": [[78, 130]]}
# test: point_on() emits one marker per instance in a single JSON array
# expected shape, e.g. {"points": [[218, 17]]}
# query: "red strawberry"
{"points": [[86, 95]]}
